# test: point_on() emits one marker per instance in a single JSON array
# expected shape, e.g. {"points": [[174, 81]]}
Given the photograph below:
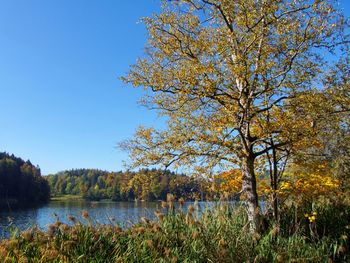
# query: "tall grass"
{"points": [[218, 234]]}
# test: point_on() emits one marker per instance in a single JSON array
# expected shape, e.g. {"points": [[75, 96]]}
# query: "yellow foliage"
{"points": [[300, 185], [309, 183], [231, 182]]}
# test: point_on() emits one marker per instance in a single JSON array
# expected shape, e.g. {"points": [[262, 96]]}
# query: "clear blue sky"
{"points": [[62, 105]]}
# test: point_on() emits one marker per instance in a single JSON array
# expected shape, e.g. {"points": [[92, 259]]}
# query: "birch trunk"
{"points": [[249, 189]]}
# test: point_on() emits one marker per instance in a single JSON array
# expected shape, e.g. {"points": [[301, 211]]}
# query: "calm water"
{"points": [[122, 213]]}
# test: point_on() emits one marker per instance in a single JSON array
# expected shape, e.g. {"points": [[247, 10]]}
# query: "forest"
{"points": [[21, 183], [145, 184]]}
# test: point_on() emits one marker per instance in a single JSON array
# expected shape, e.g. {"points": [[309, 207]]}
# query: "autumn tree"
{"points": [[227, 76], [337, 137]]}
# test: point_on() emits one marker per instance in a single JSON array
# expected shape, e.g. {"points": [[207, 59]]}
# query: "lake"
{"points": [[105, 212]]}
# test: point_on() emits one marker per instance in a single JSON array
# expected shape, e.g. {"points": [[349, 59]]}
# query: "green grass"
{"points": [[219, 235], [66, 197]]}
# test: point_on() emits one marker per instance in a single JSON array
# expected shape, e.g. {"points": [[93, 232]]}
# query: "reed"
{"points": [[218, 234]]}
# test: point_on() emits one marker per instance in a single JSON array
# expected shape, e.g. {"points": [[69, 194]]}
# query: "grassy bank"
{"points": [[66, 197], [218, 235]]}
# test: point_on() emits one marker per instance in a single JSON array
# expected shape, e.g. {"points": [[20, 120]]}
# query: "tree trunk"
{"points": [[275, 206], [274, 185], [249, 190]]}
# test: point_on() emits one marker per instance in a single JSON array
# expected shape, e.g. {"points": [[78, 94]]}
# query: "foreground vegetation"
{"points": [[218, 234]]}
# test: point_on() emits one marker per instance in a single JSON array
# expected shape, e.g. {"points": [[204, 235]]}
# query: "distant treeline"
{"points": [[21, 183], [145, 185]]}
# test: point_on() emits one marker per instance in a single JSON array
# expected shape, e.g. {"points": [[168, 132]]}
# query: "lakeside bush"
{"points": [[218, 234]]}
